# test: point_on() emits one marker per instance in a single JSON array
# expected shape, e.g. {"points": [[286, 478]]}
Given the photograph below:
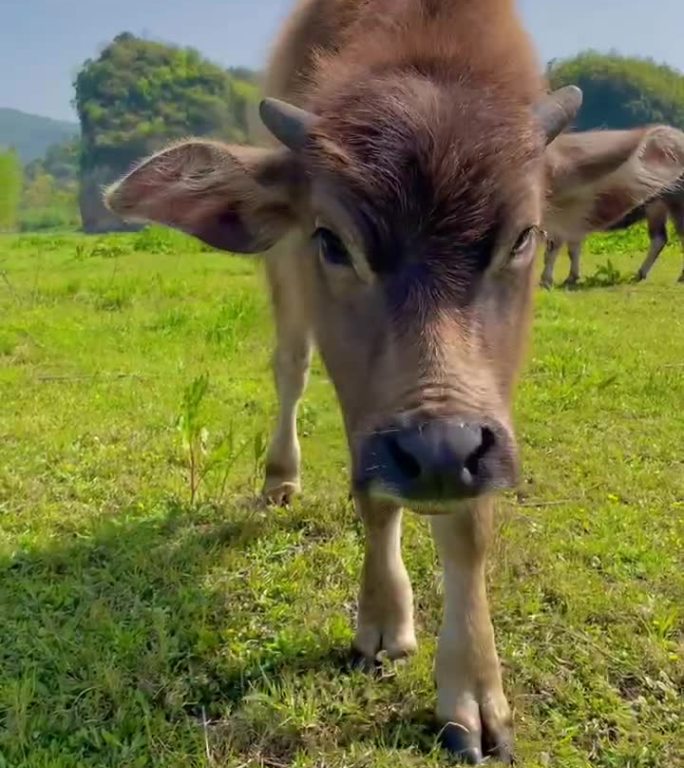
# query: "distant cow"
{"points": [[410, 183], [668, 204]]}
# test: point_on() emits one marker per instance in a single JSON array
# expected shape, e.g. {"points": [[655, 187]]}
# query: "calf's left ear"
{"points": [[233, 198]]}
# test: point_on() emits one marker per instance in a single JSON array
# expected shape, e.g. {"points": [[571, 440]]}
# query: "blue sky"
{"points": [[43, 42]]}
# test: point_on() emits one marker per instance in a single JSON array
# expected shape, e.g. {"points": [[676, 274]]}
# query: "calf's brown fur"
{"points": [[404, 195]]}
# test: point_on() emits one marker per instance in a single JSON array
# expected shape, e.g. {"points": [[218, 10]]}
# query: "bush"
{"points": [[42, 219], [10, 189], [622, 92]]}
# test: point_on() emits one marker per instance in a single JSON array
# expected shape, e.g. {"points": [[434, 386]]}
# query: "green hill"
{"points": [[31, 135]]}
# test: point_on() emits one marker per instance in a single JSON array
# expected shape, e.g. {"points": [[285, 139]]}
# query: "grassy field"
{"points": [[137, 629]]}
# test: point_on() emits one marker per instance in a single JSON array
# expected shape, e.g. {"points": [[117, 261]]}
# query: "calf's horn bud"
{"points": [[558, 110], [289, 124]]}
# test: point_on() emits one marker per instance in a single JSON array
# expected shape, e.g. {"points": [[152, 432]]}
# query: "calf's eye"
{"points": [[331, 248], [525, 242]]}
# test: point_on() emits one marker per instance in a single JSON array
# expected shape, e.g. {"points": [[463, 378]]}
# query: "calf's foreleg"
{"points": [[471, 705], [291, 362], [385, 611]]}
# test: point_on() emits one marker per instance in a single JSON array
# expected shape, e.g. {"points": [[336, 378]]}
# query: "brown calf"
{"points": [[669, 203], [410, 183]]}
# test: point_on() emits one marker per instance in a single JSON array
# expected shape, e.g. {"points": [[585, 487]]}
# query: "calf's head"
{"points": [[417, 220]]}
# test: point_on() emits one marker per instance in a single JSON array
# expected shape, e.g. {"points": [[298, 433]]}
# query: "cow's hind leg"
{"points": [[291, 361], [656, 214], [385, 611], [677, 214], [471, 705], [550, 256], [574, 252]]}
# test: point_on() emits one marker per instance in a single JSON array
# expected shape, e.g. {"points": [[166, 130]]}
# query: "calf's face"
{"points": [[423, 352], [420, 255], [417, 240]]}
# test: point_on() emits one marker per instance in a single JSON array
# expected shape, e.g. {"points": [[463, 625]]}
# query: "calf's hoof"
{"points": [[279, 493], [396, 643], [681, 278], [546, 283], [571, 282], [371, 666], [479, 726], [639, 277], [477, 747]]}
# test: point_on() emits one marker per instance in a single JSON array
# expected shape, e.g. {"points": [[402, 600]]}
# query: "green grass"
{"points": [[138, 631]]}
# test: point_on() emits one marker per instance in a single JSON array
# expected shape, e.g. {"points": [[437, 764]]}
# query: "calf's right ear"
{"points": [[234, 198], [596, 178]]}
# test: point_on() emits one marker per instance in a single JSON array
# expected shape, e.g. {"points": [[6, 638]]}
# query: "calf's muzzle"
{"points": [[436, 461]]}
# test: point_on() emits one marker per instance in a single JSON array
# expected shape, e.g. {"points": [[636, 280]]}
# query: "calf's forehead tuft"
{"points": [[425, 164]]}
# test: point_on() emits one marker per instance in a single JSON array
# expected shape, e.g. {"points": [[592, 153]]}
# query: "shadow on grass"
{"points": [[149, 630]]}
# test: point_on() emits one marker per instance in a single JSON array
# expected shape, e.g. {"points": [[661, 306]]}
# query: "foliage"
{"points": [[50, 194], [10, 189], [139, 94], [31, 135], [622, 92], [245, 74], [61, 215], [606, 275], [60, 161], [203, 459], [195, 437], [138, 631]]}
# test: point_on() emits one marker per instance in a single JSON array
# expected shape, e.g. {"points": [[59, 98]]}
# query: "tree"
{"points": [[245, 74], [39, 191], [60, 161], [136, 97], [622, 92], [50, 194], [10, 189]]}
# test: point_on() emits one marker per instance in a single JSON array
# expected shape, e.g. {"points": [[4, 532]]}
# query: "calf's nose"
{"points": [[439, 460]]}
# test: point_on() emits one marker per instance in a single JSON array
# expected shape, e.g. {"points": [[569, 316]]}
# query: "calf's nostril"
{"points": [[406, 463], [487, 442]]}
